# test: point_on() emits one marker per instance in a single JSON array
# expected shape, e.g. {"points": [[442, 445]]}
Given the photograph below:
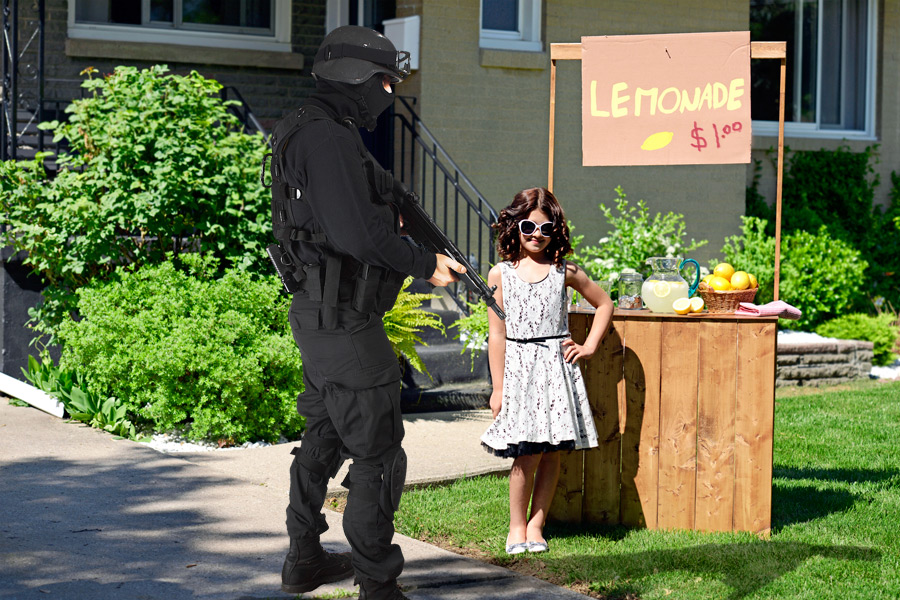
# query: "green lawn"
{"points": [[835, 522]]}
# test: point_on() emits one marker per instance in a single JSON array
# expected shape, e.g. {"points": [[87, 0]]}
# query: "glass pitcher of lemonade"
{"points": [[665, 284]]}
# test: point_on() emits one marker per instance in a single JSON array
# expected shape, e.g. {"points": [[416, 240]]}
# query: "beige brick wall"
{"points": [[490, 109]]}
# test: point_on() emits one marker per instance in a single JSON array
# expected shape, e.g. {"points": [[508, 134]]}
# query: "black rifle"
{"points": [[422, 228]]}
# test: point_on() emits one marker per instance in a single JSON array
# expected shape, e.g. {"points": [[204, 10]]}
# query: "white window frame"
{"points": [[526, 39], [814, 130], [337, 13], [279, 41]]}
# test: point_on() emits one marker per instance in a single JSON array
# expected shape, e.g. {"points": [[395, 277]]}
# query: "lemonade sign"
{"points": [[674, 99]]}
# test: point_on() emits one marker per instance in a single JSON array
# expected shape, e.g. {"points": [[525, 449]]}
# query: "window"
{"points": [[511, 25], [245, 24], [830, 76]]}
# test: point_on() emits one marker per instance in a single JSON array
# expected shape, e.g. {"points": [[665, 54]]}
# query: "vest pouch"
{"points": [[390, 285], [366, 289]]}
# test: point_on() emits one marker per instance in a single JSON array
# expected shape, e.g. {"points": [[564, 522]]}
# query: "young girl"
{"points": [[539, 401]]}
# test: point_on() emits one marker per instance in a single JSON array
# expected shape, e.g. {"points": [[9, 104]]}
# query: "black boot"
{"points": [[307, 567], [376, 590]]}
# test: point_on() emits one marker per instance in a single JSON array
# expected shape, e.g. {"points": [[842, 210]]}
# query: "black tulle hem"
{"points": [[526, 448]]}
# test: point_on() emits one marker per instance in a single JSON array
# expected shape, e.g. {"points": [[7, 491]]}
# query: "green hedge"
{"points": [[882, 330], [184, 350], [820, 275]]}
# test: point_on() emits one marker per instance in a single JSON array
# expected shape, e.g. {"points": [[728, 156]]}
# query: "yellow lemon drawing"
{"points": [[657, 141]]}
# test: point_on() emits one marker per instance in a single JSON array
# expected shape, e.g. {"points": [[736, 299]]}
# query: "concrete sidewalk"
{"points": [[85, 516]]}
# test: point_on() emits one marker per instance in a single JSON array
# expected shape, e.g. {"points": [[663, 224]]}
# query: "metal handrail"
{"points": [[243, 113], [450, 197]]}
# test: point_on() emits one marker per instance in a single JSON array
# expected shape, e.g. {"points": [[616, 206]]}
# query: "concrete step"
{"points": [[447, 364], [472, 395]]}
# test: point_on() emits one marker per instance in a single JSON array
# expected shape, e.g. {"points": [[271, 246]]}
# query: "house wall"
{"points": [[490, 109]]}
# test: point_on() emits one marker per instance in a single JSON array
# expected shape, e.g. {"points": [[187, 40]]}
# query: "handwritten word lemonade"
{"points": [[659, 295]]}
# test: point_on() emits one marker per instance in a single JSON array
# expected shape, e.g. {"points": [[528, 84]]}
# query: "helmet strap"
{"points": [[358, 93]]}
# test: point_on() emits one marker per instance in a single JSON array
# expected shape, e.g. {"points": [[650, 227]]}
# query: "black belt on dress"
{"points": [[537, 340]]}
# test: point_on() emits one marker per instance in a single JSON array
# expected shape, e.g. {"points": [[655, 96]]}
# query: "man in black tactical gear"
{"points": [[342, 240]]}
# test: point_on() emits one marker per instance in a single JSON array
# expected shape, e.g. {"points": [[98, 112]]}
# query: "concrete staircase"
{"points": [[456, 382]]}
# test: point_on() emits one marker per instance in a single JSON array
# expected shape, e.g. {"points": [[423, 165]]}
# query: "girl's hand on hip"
{"points": [[496, 402], [573, 351]]}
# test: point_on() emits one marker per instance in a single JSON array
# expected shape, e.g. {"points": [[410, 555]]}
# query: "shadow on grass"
{"points": [[745, 567], [793, 502]]}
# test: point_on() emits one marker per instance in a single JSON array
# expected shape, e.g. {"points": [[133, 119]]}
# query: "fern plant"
{"points": [[405, 321]]}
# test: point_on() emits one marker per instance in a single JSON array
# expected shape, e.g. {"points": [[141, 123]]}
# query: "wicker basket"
{"points": [[725, 302]]}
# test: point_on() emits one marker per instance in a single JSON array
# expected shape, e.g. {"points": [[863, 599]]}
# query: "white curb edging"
{"points": [[31, 395]]}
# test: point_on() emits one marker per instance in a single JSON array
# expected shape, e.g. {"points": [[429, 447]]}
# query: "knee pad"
{"points": [[328, 451], [391, 471]]}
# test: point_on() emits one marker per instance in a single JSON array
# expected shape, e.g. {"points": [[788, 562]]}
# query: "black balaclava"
{"points": [[362, 103]]}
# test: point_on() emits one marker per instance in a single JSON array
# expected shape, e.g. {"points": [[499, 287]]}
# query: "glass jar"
{"points": [[630, 291]]}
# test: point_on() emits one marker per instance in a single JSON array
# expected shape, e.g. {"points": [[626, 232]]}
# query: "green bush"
{"points": [[634, 236], [820, 275], [156, 164], [836, 188], [882, 330], [184, 350]]}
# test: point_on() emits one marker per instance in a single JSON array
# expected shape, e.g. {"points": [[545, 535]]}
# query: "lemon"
{"points": [[720, 284], [682, 306], [696, 304], [657, 140], [740, 280], [753, 283], [661, 289], [724, 270], [707, 278]]}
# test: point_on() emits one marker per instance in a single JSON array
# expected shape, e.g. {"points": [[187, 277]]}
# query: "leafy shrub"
{"points": [[472, 330], [70, 388], [157, 163], [405, 321], [634, 236], [882, 330], [183, 350], [836, 188], [820, 275]]}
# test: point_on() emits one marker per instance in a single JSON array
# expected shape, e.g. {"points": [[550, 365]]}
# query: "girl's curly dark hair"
{"points": [[507, 226]]}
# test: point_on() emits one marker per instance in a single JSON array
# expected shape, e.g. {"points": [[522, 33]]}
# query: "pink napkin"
{"points": [[777, 308]]}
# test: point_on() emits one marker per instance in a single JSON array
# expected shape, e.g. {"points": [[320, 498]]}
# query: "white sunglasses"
{"points": [[528, 227]]}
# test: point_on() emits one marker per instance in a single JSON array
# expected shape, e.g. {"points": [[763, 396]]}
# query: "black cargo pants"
{"points": [[351, 403]]}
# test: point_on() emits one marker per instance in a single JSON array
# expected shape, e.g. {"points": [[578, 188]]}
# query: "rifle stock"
{"points": [[422, 228]]}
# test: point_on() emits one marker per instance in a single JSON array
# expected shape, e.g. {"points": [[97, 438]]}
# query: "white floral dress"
{"points": [[545, 405]]}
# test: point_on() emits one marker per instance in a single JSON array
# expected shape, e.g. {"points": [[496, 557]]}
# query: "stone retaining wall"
{"points": [[823, 363]]}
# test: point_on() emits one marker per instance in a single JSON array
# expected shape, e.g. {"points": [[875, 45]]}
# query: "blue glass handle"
{"points": [[693, 286]]}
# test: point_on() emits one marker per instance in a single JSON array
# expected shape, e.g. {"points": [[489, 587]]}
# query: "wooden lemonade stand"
{"points": [[683, 405]]}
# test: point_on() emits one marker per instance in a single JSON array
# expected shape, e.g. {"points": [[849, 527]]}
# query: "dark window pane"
{"points": [[777, 20], [500, 14], [161, 10], [233, 13], [258, 13], [127, 12]]}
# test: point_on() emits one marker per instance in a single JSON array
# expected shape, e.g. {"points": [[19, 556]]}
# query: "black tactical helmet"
{"points": [[352, 54]]}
